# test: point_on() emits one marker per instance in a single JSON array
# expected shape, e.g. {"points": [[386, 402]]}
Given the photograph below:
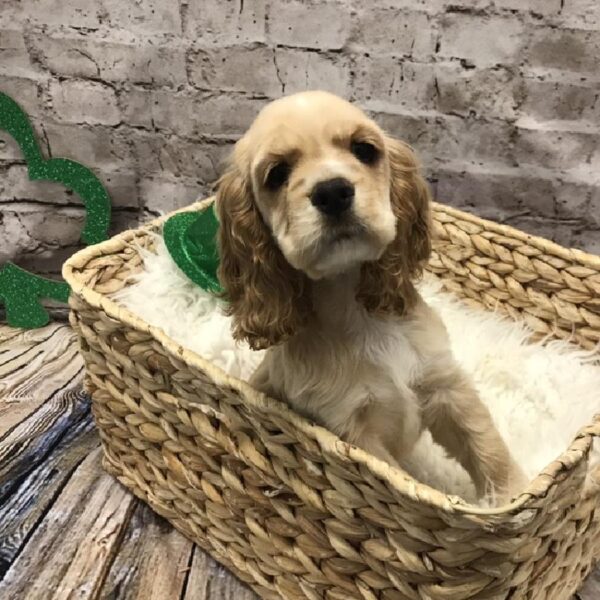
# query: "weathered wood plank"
{"points": [[30, 374], [152, 560], [208, 580], [24, 373], [21, 512], [13, 346], [71, 551], [29, 443], [8, 333]]}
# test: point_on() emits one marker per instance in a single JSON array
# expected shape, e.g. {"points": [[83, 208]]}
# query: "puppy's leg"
{"points": [[462, 424], [375, 446], [261, 379], [389, 428]]}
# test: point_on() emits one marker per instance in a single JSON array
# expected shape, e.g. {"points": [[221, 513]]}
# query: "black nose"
{"points": [[333, 197]]}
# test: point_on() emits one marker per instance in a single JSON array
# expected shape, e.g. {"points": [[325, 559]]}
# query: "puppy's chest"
{"points": [[334, 377]]}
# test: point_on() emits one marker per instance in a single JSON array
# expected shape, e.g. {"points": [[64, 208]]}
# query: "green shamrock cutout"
{"points": [[190, 238], [20, 291]]}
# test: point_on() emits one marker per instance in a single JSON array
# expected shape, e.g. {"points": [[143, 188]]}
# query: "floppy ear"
{"points": [[386, 284], [268, 299]]}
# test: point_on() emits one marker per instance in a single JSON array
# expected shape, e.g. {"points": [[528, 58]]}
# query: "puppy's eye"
{"points": [[277, 176], [365, 152]]}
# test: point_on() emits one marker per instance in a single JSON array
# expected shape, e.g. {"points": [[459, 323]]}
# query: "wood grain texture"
{"points": [[32, 497], [34, 367], [67, 529], [152, 561], [29, 443], [70, 552], [6, 334]]}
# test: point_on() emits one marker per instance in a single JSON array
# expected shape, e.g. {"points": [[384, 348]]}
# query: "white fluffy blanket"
{"points": [[539, 395]]}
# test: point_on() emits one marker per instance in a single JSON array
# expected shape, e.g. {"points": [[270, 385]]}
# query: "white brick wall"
{"points": [[500, 97]]}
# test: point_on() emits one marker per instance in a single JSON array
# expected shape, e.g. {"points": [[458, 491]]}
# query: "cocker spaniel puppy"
{"points": [[324, 227]]}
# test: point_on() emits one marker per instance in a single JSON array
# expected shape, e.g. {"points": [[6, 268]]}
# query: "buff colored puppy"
{"points": [[325, 225]]}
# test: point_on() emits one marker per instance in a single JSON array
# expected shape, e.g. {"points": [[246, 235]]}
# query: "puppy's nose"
{"points": [[333, 197]]}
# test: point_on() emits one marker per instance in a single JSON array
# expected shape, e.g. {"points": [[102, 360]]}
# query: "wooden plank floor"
{"points": [[67, 529]]}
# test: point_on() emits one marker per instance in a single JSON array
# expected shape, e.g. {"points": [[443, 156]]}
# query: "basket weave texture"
{"points": [[294, 511]]}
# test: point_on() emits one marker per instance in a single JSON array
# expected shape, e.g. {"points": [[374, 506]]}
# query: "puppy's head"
{"points": [[315, 189]]}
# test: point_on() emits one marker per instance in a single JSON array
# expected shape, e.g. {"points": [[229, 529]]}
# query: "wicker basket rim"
{"points": [[543, 244], [397, 478]]}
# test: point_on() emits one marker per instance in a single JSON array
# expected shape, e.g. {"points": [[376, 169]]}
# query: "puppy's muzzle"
{"points": [[333, 197]]}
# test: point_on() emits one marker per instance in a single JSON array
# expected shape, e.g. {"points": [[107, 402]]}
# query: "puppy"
{"points": [[325, 224]]}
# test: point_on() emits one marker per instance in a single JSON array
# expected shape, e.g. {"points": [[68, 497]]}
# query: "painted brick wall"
{"points": [[499, 97]]}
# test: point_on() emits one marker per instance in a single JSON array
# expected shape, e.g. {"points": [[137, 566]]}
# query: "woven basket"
{"points": [[294, 511]]}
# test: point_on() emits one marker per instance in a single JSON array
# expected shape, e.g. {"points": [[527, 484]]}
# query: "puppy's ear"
{"points": [[268, 299], [386, 285]]}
